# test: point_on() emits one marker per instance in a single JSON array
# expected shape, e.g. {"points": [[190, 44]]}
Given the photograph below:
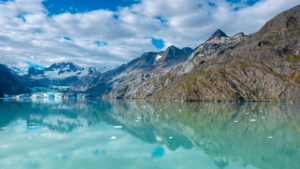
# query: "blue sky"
{"points": [[55, 7], [109, 33]]}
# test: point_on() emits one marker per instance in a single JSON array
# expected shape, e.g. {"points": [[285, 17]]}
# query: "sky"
{"points": [[109, 33]]}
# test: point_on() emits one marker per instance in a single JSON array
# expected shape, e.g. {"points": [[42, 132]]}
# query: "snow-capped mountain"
{"points": [[59, 71], [61, 74]]}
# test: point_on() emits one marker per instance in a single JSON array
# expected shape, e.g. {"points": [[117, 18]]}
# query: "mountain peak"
{"points": [[218, 33], [172, 47]]}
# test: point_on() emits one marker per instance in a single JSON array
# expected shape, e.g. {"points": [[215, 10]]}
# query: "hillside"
{"points": [[9, 82], [125, 78], [264, 67]]}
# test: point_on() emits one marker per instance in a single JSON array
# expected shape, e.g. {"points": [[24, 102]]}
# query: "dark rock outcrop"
{"points": [[1, 95], [33, 72]]}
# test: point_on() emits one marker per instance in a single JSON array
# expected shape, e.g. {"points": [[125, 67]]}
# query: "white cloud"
{"points": [[29, 34]]}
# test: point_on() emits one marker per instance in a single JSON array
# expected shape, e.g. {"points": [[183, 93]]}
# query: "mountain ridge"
{"points": [[133, 71], [264, 67]]}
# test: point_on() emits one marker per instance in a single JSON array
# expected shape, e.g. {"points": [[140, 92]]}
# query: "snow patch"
{"points": [[158, 57]]}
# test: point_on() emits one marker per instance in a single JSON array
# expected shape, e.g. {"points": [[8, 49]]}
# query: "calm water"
{"points": [[87, 134]]}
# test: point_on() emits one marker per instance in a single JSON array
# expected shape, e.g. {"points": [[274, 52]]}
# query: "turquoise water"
{"points": [[95, 133]]}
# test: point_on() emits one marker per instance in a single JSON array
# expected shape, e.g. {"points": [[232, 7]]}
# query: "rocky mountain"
{"points": [[149, 73], [127, 76], [205, 52], [61, 74], [218, 34], [264, 66], [9, 84]]}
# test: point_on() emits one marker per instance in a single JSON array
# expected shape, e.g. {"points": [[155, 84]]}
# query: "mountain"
{"points": [[264, 66], [127, 76], [9, 82], [61, 74], [218, 34]]}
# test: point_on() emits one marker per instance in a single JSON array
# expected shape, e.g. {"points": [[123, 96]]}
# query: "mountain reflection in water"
{"points": [[77, 133]]}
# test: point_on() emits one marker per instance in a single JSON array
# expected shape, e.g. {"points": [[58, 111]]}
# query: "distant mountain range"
{"points": [[58, 74], [62, 74], [264, 66]]}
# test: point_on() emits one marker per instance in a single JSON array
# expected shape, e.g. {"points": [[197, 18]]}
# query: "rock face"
{"points": [[205, 52], [122, 81], [263, 67], [9, 84]]}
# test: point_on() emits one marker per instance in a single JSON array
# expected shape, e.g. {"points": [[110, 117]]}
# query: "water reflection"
{"points": [[224, 135]]}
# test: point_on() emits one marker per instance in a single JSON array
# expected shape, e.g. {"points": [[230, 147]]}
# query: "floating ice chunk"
{"points": [[247, 113], [270, 137], [157, 115], [31, 123], [137, 121], [118, 127], [113, 137], [253, 120], [43, 134], [158, 139], [139, 118], [170, 137], [236, 121], [3, 128], [263, 117], [31, 126]]}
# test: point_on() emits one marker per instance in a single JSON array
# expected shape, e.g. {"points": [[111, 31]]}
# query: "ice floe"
{"points": [[158, 139], [118, 127]]}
